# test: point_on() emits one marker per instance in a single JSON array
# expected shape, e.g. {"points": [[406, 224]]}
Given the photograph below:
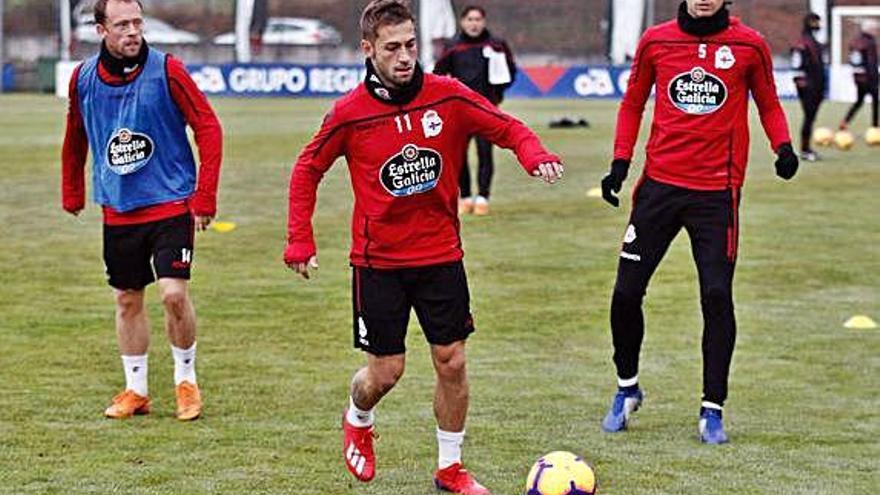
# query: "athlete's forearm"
{"points": [[74, 154], [311, 165], [303, 195], [505, 131], [629, 120], [207, 131], [632, 108], [762, 85]]}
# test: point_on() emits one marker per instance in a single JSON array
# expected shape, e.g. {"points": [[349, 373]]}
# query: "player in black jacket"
{"points": [[863, 58], [807, 61], [485, 64]]}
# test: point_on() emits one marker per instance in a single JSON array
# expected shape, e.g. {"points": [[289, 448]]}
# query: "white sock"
{"points": [[358, 417], [449, 444], [184, 364], [627, 382], [136, 374]]}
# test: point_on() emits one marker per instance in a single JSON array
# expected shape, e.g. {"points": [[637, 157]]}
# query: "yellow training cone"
{"points": [[223, 227], [860, 322], [595, 192]]}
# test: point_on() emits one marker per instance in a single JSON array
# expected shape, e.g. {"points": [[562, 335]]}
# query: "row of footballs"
{"points": [[844, 140]]}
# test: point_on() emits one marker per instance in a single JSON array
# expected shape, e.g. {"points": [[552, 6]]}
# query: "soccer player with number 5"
{"points": [[704, 66], [403, 134]]}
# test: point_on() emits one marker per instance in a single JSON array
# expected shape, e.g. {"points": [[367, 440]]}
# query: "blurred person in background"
{"points": [[863, 59], [131, 105], [485, 64], [809, 66]]}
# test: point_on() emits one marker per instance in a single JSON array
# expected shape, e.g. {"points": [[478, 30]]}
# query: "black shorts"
{"points": [[132, 252], [382, 300]]}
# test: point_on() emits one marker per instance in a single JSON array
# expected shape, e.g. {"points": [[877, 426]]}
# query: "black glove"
{"points": [[786, 162], [612, 182]]}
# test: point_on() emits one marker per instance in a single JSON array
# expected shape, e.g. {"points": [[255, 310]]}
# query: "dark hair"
{"points": [[470, 8], [100, 9], [809, 19], [384, 13]]}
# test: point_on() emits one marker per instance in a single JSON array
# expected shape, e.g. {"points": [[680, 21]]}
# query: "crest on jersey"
{"points": [[412, 171], [630, 235], [724, 58], [432, 124], [128, 151], [697, 92]]}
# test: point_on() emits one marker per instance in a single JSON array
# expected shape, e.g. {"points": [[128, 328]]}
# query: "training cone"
{"points": [[594, 193], [223, 227], [860, 322]]}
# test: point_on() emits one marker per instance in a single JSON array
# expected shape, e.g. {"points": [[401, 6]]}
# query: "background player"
{"points": [[863, 59], [809, 66], [131, 104], [403, 134], [485, 64]]}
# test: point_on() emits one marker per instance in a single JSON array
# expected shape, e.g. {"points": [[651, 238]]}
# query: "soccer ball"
{"points": [[561, 473], [823, 136], [844, 140], [872, 136]]}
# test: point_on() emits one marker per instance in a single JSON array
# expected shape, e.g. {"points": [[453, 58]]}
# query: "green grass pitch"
{"points": [[275, 356]]}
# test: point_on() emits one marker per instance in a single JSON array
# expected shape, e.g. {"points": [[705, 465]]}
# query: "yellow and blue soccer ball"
{"points": [[872, 136], [561, 473], [823, 136]]}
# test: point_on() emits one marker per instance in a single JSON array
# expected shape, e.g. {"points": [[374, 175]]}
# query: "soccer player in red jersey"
{"points": [[403, 134], [131, 104], [704, 65]]}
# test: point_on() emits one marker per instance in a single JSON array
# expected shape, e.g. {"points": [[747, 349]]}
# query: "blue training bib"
{"points": [[141, 154]]}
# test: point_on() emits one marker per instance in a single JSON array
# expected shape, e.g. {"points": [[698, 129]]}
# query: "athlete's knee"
{"points": [[450, 361], [717, 300], [626, 298], [175, 300], [386, 375], [129, 303]]}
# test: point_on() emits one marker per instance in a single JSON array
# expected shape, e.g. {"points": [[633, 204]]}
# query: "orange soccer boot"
{"points": [[481, 206], [126, 404], [189, 401], [465, 206]]}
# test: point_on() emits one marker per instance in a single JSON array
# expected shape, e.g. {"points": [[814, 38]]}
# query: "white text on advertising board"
{"points": [[267, 80], [594, 82]]}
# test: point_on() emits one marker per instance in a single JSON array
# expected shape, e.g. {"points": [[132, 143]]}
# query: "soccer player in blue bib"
{"points": [[131, 104]]}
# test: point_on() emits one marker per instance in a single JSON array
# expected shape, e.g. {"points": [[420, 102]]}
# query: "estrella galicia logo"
{"points": [[412, 171], [697, 92], [128, 151]]}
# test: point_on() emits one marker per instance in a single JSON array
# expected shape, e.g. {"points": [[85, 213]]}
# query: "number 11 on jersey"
{"points": [[403, 122]]}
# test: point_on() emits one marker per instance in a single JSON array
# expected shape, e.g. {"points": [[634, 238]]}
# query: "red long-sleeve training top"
{"points": [[404, 162], [700, 132], [199, 116]]}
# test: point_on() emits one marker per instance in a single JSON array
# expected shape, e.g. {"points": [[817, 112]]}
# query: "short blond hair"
{"points": [[100, 9], [384, 13]]}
